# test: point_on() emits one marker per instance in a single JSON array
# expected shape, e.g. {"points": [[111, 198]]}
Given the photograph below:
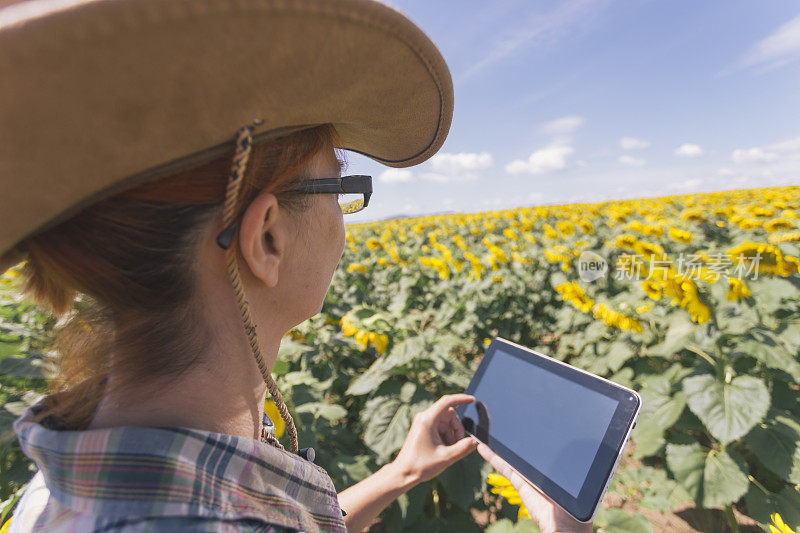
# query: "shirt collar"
{"points": [[174, 471]]}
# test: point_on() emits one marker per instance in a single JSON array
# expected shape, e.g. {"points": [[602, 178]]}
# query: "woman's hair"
{"points": [[131, 259]]}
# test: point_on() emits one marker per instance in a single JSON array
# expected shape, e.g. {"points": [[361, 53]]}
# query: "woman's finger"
{"points": [[450, 427], [458, 427], [441, 405], [460, 449]]}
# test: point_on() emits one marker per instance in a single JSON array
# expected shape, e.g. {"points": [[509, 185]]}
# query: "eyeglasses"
{"points": [[353, 191]]}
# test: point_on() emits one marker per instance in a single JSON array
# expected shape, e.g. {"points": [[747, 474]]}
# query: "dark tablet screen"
{"points": [[559, 427]]}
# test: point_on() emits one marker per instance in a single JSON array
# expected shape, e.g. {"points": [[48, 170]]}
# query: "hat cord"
{"points": [[243, 147]]}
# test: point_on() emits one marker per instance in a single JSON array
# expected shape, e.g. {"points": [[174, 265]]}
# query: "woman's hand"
{"points": [[435, 441], [550, 517]]}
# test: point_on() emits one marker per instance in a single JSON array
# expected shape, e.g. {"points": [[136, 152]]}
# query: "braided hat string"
{"points": [[243, 147]]}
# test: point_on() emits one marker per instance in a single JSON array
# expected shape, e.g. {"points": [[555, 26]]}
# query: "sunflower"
{"points": [[778, 525], [436, 263], [615, 319], [766, 258], [272, 412], [574, 294], [477, 266], [737, 289], [356, 267], [680, 235], [502, 486]]}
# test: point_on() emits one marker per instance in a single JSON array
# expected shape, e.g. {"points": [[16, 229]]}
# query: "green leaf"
{"points": [[676, 372], [289, 350], [658, 491], [367, 382], [526, 525], [382, 368], [7, 506], [770, 351], [618, 521], [728, 410], [776, 443], [280, 367], [713, 478], [624, 377], [679, 328], [407, 391], [410, 504], [9, 348], [31, 365], [789, 332], [660, 407], [618, 353], [649, 439], [6, 425], [406, 351], [505, 525], [387, 424], [330, 412], [462, 481], [732, 318], [761, 505], [355, 468]]}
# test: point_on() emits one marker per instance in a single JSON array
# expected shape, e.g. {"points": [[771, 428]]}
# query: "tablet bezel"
{"points": [[584, 507]]}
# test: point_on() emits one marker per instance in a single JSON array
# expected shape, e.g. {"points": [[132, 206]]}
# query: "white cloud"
{"points": [[463, 166], [775, 50], [551, 158], [445, 178], [538, 28], [688, 150], [753, 155], [563, 125], [789, 145], [784, 153], [460, 163], [632, 143], [535, 196], [631, 161], [396, 175], [769, 164]]}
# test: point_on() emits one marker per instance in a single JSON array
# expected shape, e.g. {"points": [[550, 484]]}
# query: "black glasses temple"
{"points": [[345, 184]]}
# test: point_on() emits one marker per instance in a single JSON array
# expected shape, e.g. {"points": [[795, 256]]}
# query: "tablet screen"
{"points": [[561, 442], [558, 426]]}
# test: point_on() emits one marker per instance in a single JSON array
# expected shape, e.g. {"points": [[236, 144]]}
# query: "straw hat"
{"points": [[99, 95]]}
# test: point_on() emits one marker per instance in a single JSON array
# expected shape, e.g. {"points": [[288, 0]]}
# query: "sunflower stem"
{"points": [[731, 518], [701, 353]]}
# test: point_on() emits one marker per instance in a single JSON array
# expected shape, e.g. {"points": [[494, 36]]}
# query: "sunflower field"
{"points": [[694, 301]]}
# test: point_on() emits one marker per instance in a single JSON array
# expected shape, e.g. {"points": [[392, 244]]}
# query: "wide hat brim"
{"points": [[100, 95]]}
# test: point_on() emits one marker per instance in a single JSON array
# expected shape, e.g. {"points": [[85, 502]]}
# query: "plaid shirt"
{"points": [[168, 479]]}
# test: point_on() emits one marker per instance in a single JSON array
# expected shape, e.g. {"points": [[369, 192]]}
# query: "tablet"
{"points": [[560, 427]]}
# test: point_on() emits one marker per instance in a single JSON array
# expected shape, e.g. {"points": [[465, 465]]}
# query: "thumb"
{"points": [[462, 448]]}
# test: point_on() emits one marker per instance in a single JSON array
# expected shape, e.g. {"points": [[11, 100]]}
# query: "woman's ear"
{"points": [[262, 237]]}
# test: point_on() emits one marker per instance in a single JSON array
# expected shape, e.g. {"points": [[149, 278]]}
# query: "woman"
{"points": [[191, 268]]}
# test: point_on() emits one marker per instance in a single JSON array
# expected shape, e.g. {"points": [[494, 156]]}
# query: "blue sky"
{"points": [[589, 100]]}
